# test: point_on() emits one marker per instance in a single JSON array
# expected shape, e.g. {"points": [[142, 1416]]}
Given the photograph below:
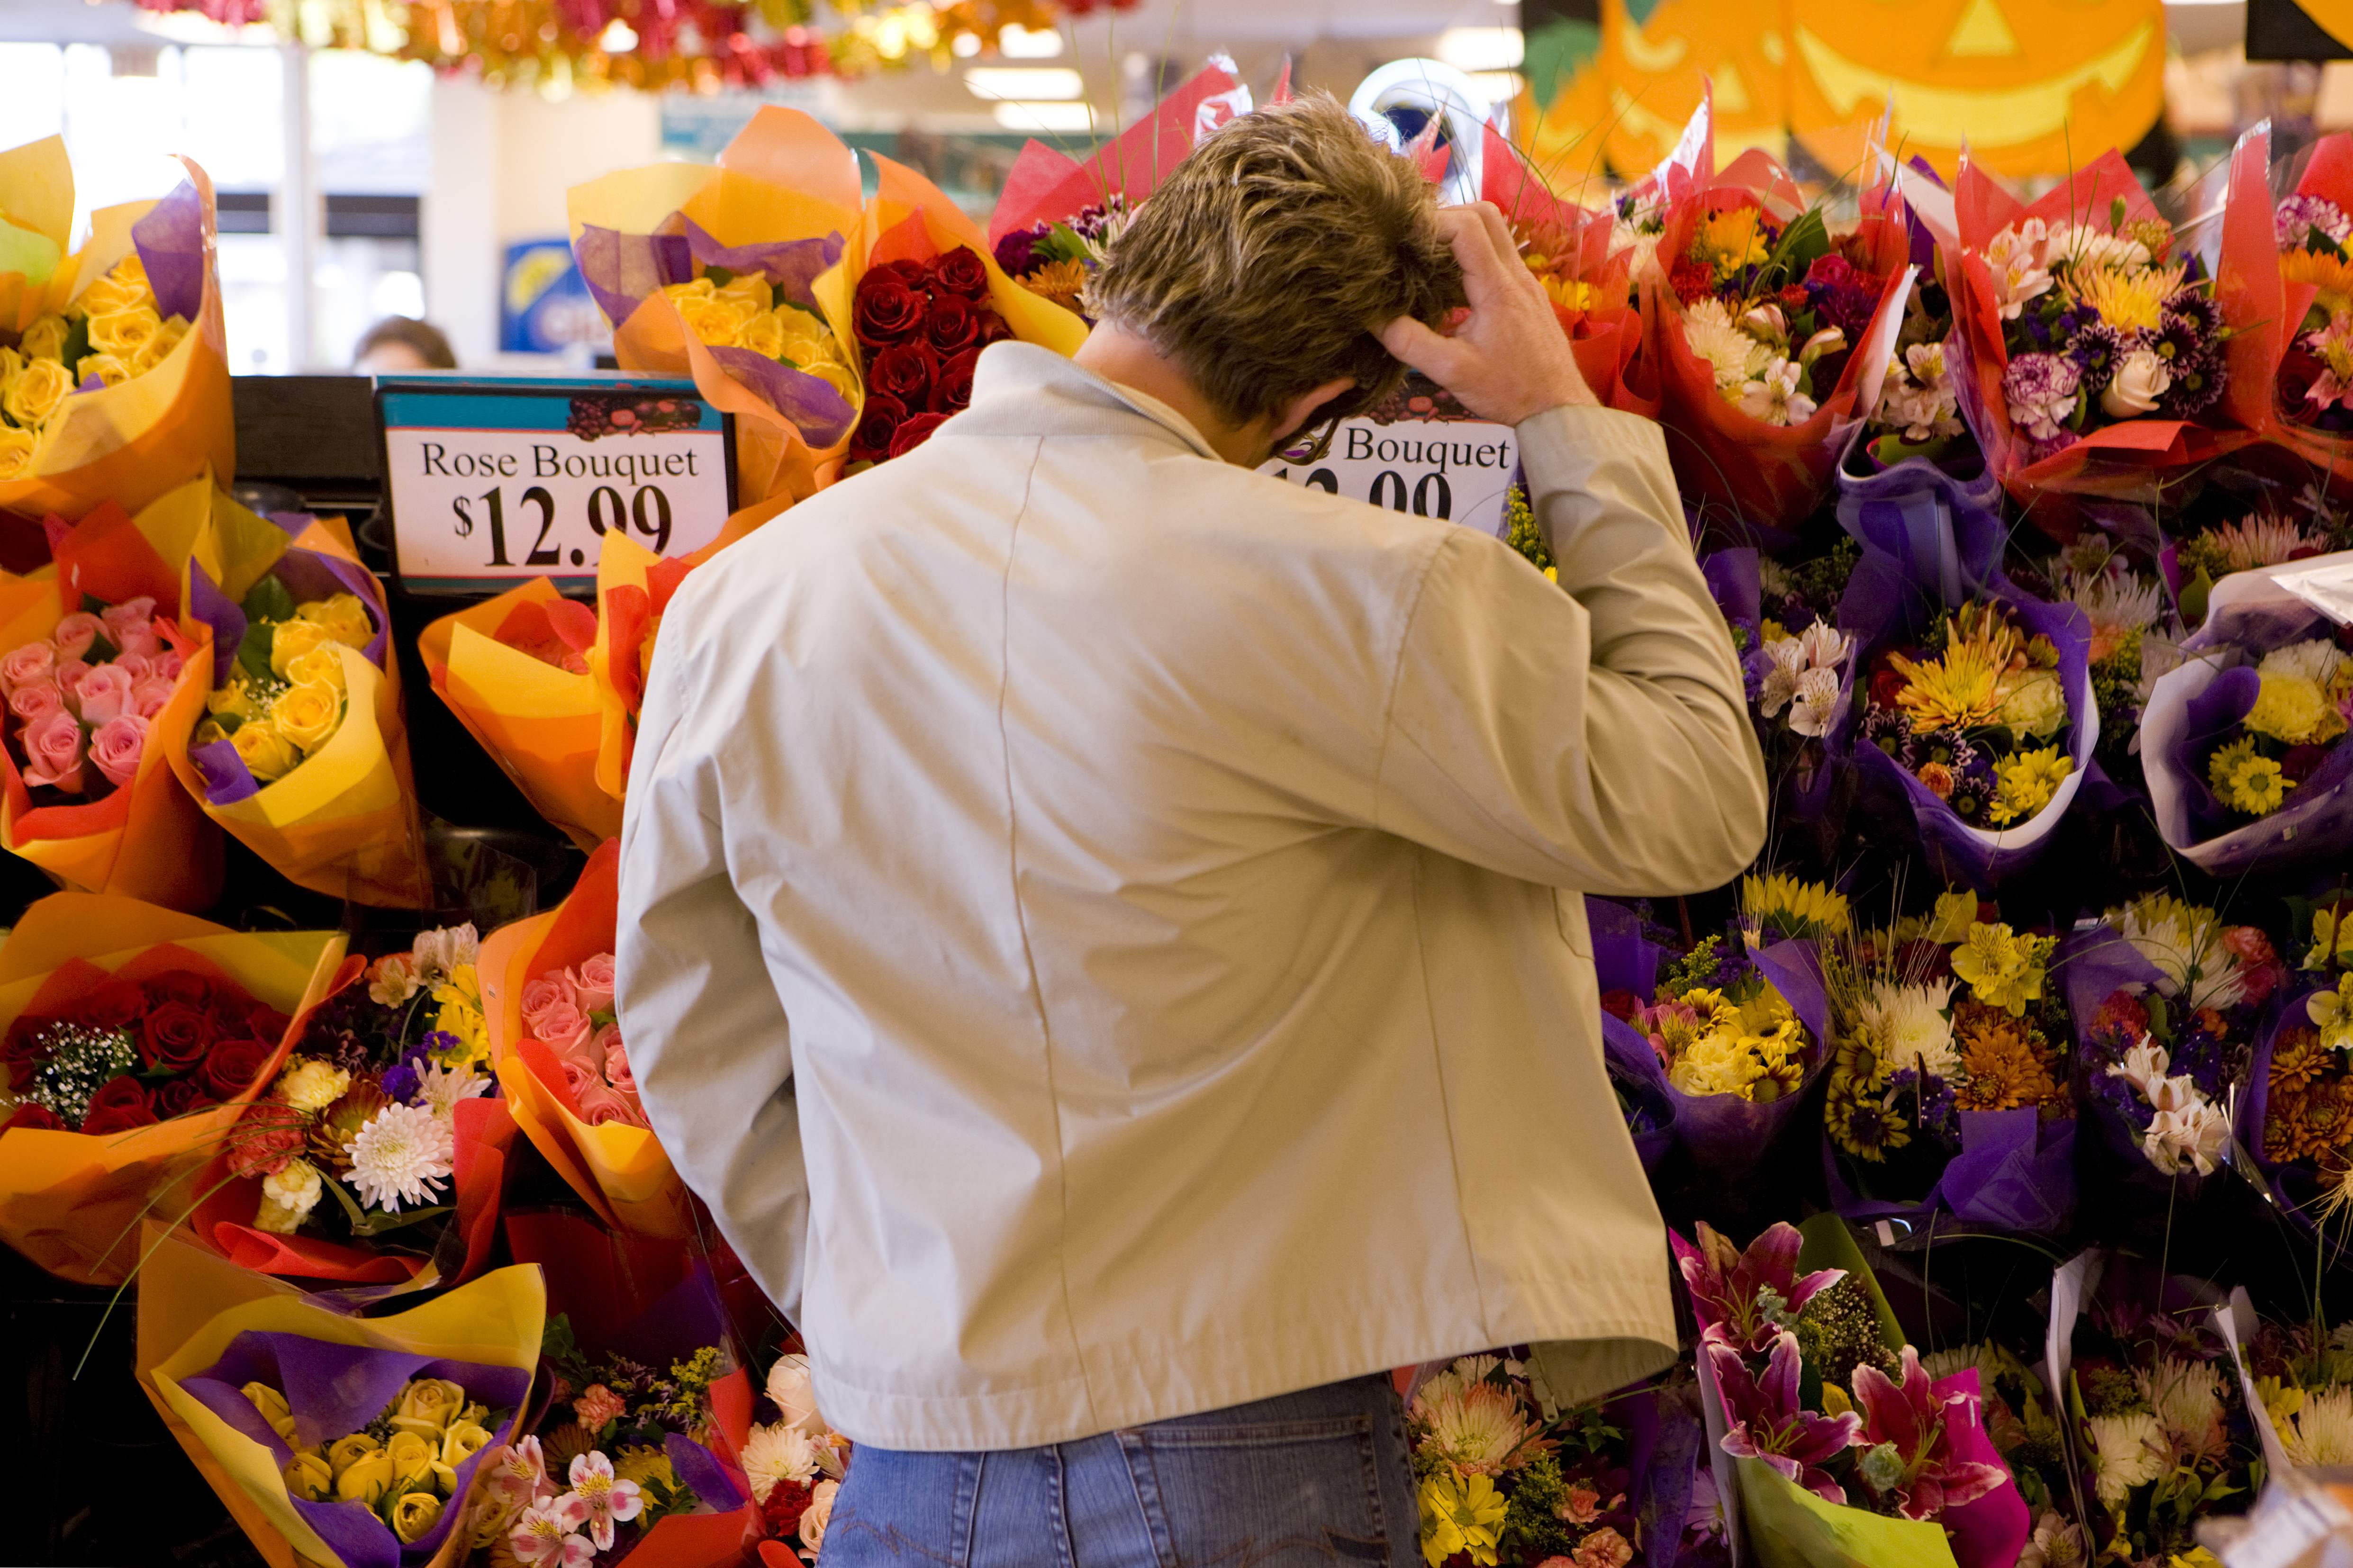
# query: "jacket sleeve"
{"points": [[708, 1039], [1596, 739]]}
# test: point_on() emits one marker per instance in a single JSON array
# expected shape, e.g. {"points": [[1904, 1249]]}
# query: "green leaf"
{"points": [[375, 1224], [718, 277], [230, 724], [1806, 241], [77, 344], [91, 604], [268, 601], [253, 653], [101, 649]]}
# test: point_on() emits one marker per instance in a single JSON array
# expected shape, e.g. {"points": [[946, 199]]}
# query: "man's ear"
{"points": [[1293, 414]]}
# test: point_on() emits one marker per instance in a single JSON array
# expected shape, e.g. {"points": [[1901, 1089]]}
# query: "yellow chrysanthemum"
{"points": [[1060, 281], [2293, 712], [2026, 783], [1460, 1513], [2332, 276], [1569, 294], [2131, 298], [1730, 241], [1962, 688], [1798, 908], [2246, 781]]}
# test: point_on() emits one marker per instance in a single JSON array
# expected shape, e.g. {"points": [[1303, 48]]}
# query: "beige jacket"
{"points": [[1102, 927]]}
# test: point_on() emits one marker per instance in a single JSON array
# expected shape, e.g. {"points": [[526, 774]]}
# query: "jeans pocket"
{"points": [[1274, 1494], [909, 1509]]}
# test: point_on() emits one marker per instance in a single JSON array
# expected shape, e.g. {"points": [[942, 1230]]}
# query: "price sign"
{"points": [[494, 480], [1417, 452]]}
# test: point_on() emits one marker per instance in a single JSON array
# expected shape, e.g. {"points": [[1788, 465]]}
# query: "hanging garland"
{"points": [[655, 46]]}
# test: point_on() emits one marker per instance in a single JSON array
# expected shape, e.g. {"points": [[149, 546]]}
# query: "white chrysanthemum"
{"points": [[1908, 1024], [439, 1088], [1773, 578], [2321, 1431], [2080, 245], [402, 1155], [2185, 943], [2315, 660], [310, 1085], [2128, 1451], [1642, 249], [1475, 1427], [1734, 356], [2118, 602], [2187, 1397], [778, 1453]]}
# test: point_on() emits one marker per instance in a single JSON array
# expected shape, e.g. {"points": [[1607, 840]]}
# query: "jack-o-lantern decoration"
{"points": [[2024, 83], [1656, 56]]}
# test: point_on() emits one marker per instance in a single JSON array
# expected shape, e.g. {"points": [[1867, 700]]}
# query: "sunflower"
{"points": [[2130, 298], [2331, 274]]}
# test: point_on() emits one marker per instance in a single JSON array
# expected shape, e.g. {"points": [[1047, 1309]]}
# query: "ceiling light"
{"points": [[1024, 81], [618, 38], [1481, 48], [966, 45], [1020, 43], [1035, 116], [1501, 87]]}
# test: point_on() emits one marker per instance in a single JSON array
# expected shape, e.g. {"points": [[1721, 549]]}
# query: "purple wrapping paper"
{"points": [[1940, 536], [2255, 1105], [2014, 1173], [621, 269], [822, 415], [2093, 966], [1982, 857], [171, 244], [791, 264], [701, 1471], [1732, 578], [334, 1390], [1732, 582], [1623, 961], [2211, 715]]}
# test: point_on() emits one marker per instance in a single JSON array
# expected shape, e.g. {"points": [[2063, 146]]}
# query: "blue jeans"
{"points": [[1319, 1477]]}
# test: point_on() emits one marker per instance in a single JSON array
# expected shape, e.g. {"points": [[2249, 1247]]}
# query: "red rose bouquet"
{"points": [[920, 327]]}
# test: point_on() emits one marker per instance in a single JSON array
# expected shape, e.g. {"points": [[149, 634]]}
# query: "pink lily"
{"points": [[1906, 1455], [1768, 1422], [1743, 1300]]}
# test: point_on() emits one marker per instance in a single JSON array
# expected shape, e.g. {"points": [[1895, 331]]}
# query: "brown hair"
{"points": [[1269, 258], [423, 336]]}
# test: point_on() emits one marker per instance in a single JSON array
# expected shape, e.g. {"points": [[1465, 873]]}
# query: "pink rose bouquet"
{"points": [[570, 1011]]}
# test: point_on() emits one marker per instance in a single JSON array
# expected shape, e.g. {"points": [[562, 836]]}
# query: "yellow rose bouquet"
{"points": [[303, 754], [113, 383], [338, 1439], [709, 273]]}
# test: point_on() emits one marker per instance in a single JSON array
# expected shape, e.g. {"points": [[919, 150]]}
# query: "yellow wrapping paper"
{"points": [[70, 1201], [132, 442], [543, 726], [343, 823], [783, 177], [192, 1304], [620, 1171]]}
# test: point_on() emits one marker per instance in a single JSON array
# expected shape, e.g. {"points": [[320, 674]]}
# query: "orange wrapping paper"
{"points": [[620, 1171], [70, 1201]]}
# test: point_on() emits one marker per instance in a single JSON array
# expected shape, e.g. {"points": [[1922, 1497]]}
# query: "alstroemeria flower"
{"points": [[1907, 1454], [549, 1536], [518, 1474], [1744, 1300], [604, 1500], [1769, 1423]]}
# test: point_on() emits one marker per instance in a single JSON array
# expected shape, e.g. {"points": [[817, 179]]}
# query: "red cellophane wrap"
{"points": [[2129, 460], [1606, 335], [2253, 292], [223, 1219], [1750, 481], [70, 1201], [1048, 186]]}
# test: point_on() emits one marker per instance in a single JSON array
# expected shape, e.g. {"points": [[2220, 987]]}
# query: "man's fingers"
{"points": [[1483, 277], [1411, 342]]}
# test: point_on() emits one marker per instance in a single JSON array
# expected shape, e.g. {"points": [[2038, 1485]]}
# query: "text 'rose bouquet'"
{"points": [[1503, 1482], [1949, 1088]]}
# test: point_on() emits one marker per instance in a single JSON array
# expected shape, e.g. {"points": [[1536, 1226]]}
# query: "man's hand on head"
{"points": [[1506, 358]]}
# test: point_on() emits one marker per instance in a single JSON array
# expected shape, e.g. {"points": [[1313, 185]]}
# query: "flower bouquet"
{"points": [[2302, 1377], [1587, 266], [2288, 266], [2296, 1116], [2155, 1406], [2096, 360], [795, 1464], [1732, 1033], [1828, 1432], [2245, 743], [1948, 1089], [548, 988], [113, 379], [1799, 672], [2135, 629], [342, 1439], [1982, 720], [923, 294], [710, 273], [1771, 338], [2166, 1001], [1508, 1481], [382, 1118], [515, 671], [635, 1451], [103, 675], [304, 752], [2265, 536], [133, 1038]]}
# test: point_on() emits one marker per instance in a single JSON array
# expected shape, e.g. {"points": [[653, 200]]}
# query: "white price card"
{"points": [[495, 481], [1420, 452]]}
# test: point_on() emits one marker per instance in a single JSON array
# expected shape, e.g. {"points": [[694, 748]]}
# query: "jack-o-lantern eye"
{"points": [[1982, 32]]}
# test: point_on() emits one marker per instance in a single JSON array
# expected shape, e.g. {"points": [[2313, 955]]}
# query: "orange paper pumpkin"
{"points": [[1658, 68]]}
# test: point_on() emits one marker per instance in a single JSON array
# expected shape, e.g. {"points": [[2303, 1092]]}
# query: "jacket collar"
{"points": [[1021, 389]]}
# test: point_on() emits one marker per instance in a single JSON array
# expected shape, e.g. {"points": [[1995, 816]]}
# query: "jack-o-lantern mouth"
{"points": [[1946, 117]]}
